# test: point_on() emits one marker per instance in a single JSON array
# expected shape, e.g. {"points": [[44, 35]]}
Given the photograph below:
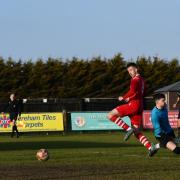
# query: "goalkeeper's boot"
{"points": [[154, 149], [128, 134]]}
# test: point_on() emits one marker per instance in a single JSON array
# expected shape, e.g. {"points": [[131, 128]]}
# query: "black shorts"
{"points": [[165, 138], [13, 116]]}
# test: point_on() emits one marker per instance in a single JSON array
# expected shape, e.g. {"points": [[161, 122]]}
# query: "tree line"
{"points": [[77, 78]]}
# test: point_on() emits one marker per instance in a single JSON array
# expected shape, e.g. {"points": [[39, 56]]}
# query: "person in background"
{"points": [[175, 105], [14, 108]]}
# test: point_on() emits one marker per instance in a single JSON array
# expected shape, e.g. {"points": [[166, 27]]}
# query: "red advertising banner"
{"points": [[147, 124]]}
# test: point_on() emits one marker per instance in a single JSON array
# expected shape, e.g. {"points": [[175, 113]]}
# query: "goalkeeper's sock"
{"points": [[177, 150], [117, 120], [178, 132]]}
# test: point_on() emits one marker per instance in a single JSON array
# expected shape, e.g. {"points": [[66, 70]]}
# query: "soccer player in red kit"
{"points": [[133, 108]]}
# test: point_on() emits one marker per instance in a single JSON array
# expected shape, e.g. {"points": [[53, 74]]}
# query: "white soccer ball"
{"points": [[42, 155]]}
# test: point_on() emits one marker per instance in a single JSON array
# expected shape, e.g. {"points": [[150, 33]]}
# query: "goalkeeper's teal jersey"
{"points": [[160, 121]]}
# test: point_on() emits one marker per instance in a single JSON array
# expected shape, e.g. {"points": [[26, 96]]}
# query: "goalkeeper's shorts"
{"points": [[165, 138]]}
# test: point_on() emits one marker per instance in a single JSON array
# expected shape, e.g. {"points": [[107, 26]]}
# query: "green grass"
{"points": [[85, 156]]}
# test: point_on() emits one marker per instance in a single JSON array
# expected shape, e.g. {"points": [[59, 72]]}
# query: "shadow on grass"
{"points": [[61, 144]]}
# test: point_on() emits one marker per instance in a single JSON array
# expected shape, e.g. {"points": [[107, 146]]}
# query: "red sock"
{"points": [[143, 140], [120, 122]]}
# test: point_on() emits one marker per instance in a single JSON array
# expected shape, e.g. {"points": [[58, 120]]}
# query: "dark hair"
{"points": [[132, 64], [158, 96]]}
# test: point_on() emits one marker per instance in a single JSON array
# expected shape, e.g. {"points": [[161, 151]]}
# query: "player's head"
{"points": [[160, 100], [132, 69], [12, 97]]}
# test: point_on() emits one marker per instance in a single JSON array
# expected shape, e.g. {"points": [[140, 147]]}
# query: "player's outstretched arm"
{"points": [[177, 101]]}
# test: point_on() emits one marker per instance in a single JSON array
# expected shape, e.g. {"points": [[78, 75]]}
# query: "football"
{"points": [[42, 155]]}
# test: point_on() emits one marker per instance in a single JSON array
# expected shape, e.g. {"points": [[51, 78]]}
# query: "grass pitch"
{"points": [[85, 156]]}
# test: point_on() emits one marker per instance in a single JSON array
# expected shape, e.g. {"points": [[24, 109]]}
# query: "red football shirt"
{"points": [[136, 90]]}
